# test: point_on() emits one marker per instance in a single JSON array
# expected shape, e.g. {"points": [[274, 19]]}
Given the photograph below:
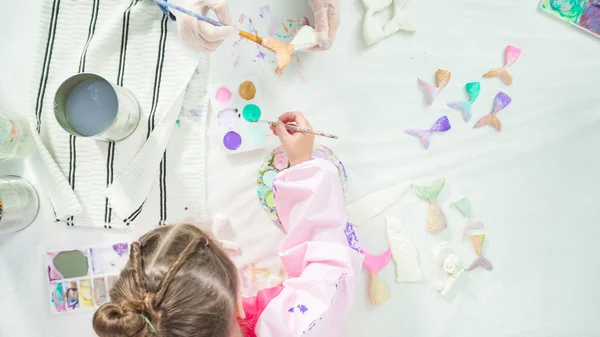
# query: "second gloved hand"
{"points": [[327, 20], [200, 35]]}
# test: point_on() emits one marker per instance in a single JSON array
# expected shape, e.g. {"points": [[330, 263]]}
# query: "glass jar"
{"points": [[16, 140], [19, 204]]}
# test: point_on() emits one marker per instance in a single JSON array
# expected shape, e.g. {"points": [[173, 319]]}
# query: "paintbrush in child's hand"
{"points": [[296, 128]]}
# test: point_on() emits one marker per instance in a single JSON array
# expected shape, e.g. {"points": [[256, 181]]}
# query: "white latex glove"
{"points": [[200, 35], [327, 20]]}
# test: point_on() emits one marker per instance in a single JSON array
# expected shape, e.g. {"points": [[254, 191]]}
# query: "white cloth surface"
{"points": [[132, 45], [534, 185]]}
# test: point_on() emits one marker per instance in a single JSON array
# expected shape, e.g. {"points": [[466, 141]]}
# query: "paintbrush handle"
{"points": [[303, 130], [246, 35]]}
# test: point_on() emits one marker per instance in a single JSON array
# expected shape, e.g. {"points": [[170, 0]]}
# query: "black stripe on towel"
{"points": [[163, 189], [73, 139], [110, 158], [46, 65], [155, 96]]}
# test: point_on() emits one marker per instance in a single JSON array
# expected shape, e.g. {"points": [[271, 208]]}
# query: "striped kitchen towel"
{"points": [[132, 44]]}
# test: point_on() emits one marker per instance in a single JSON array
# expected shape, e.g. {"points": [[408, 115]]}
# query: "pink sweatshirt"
{"points": [[321, 266]]}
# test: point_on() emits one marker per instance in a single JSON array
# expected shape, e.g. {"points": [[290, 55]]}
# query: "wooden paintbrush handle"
{"points": [[251, 37]]}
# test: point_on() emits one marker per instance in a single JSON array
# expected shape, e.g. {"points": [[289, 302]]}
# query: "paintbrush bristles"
{"points": [[282, 50]]}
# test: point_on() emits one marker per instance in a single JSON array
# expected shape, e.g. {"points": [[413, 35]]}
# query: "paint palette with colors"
{"points": [[238, 105], [584, 14], [80, 279], [276, 162]]}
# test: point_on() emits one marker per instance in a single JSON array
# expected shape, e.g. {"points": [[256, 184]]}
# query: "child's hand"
{"points": [[298, 146]]}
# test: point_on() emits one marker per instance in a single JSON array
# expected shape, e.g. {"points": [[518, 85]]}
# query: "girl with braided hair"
{"points": [[180, 283]]}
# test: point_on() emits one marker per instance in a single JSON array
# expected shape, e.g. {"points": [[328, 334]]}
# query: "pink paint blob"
{"points": [[223, 95], [280, 161]]}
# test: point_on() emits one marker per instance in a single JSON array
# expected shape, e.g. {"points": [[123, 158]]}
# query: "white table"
{"points": [[534, 185]]}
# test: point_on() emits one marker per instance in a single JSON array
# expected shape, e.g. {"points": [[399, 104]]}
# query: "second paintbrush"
{"points": [[296, 128]]}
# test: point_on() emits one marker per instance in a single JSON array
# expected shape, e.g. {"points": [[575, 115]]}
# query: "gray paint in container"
{"points": [[87, 105]]}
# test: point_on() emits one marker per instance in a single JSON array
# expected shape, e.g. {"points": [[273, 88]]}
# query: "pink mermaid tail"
{"points": [[442, 78], [511, 55], [378, 292]]}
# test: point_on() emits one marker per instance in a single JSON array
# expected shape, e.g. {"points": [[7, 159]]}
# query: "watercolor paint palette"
{"points": [[80, 279], [238, 106], [584, 14], [276, 162]]}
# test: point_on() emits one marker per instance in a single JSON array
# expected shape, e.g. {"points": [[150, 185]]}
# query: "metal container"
{"points": [[19, 204], [121, 126]]}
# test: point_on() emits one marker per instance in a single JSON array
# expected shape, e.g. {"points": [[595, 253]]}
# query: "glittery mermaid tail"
{"points": [[430, 91], [490, 119], [481, 261], [436, 220], [442, 78], [379, 293], [465, 107], [470, 224], [501, 101], [511, 55], [463, 205], [477, 242], [502, 73], [430, 192], [424, 135], [473, 90], [374, 263]]}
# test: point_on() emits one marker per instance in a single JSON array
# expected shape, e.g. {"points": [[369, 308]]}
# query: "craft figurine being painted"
{"points": [[205, 34], [182, 271]]}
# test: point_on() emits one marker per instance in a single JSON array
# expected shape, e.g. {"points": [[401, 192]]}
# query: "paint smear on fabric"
{"points": [[255, 136], [100, 291], [263, 10], [232, 140], [223, 95], [228, 117], [58, 297], [268, 177], [251, 113], [86, 298], [71, 264]]}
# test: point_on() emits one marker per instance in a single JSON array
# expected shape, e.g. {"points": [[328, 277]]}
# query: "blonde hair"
{"points": [[180, 280]]}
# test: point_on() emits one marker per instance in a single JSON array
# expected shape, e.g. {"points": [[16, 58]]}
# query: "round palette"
{"points": [[276, 162]]}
